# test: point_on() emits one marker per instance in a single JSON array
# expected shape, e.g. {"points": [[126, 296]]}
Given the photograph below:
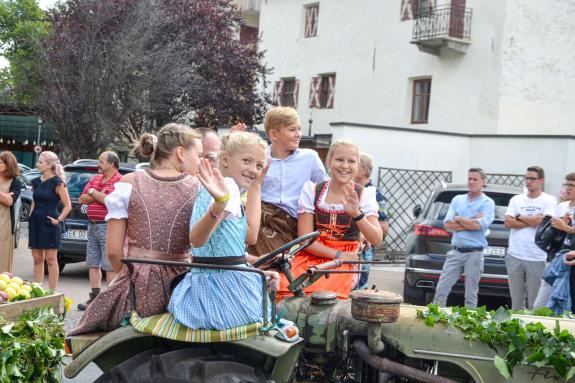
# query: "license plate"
{"points": [[496, 251], [77, 234]]}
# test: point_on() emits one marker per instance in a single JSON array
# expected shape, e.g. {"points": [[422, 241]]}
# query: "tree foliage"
{"points": [[22, 24], [112, 69]]}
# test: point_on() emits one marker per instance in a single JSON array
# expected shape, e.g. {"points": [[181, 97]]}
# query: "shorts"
{"points": [[96, 248]]}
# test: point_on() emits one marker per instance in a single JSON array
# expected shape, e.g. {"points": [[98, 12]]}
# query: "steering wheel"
{"points": [[301, 243]]}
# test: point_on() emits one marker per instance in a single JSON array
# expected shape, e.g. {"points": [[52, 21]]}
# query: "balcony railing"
{"points": [[442, 22]]}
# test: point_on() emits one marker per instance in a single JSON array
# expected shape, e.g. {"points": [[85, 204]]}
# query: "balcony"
{"points": [[444, 26]]}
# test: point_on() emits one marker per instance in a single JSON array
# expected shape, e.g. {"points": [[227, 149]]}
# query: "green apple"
{"points": [[11, 293]]}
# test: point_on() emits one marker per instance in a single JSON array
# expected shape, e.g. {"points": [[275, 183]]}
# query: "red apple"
{"points": [[3, 296]]}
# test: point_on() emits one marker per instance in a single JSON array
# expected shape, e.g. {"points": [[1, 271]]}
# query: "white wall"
{"points": [[495, 154], [538, 78], [368, 46]]}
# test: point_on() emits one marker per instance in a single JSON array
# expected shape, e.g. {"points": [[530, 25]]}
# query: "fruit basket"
{"points": [[18, 296]]}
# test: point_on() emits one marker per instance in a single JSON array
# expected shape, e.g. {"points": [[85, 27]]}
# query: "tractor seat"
{"points": [[165, 326]]}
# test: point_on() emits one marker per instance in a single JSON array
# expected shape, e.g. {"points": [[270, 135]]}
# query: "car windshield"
{"points": [[76, 181], [440, 206]]}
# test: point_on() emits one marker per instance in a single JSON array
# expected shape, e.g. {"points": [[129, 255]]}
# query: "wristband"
{"points": [[338, 254], [359, 217], [224, 198]]}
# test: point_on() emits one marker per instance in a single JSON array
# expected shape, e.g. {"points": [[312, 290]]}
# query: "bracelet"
{"points": [[359, 217], [214, 215], [224, 198]]}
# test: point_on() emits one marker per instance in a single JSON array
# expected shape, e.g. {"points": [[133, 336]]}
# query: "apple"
{"points": [[11, 293], [3, 296], [4, 277], [3, 285], [14, 285], [17, 280], [9, 274], [26, 287]]}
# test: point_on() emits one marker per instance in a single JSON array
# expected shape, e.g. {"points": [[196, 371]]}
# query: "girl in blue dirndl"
{"points": [[219, 230]]}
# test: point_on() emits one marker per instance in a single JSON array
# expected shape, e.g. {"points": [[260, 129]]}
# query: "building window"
{"points": [[285, 92], [311, 19], [420, 101], [322, 91]]}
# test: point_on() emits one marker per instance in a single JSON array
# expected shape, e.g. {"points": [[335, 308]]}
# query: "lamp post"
{"points": [[38, 140], [309, 128]]}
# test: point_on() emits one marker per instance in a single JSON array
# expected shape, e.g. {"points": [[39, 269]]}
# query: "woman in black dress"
{"points": [[44, 223]]}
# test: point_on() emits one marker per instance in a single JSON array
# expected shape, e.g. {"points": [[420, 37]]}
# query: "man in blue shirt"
{"points": [[468, 217]]}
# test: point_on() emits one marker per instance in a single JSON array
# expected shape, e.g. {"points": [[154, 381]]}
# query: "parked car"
{"points": [[75, 234], [428, 242], [24, 168]]}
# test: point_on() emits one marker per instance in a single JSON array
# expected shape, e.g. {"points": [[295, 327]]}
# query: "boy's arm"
{"points": [[449, 221], [318, 173]]}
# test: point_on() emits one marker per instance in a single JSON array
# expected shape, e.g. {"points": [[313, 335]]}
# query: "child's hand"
{"points": [[212, 180], [273, 279], [350, 201], [260, 180]]}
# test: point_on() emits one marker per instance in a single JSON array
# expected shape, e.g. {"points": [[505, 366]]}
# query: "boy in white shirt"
{"points": [[525, 261]]}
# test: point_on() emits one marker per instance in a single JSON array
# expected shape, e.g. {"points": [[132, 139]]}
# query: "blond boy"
{"points": [[290, 168]]}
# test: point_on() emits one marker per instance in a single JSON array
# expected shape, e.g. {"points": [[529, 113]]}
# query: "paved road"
{"points": [[74, 283]]}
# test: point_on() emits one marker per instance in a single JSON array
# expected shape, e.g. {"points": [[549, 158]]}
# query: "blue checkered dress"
{"points": [[218, 299]]}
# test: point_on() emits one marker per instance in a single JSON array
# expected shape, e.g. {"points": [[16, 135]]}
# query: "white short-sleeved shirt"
{"points": [[118, 201], [522, 241], [367, 203]]}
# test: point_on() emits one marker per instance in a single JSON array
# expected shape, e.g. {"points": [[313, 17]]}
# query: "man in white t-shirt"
{"points": [[525, 261]]}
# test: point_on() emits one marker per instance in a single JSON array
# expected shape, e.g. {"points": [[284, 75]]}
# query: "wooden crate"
{"points": [[13, 310]]}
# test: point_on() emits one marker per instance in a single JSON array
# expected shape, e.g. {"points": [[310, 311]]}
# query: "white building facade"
{"points": [[491, 84]]}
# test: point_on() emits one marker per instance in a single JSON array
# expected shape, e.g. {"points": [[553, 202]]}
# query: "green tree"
{"points": [[23, 25]]}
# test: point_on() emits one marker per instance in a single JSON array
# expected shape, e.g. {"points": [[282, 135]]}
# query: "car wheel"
{"points": [[184, 365], [414, 295], [24, 212]]}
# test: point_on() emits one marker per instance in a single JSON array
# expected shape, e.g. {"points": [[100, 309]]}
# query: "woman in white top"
{"points": [[342, 211]]}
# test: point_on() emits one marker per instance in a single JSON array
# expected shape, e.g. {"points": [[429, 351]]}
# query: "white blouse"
{"points": [[117, 201], [234, 205], [367, 203]]}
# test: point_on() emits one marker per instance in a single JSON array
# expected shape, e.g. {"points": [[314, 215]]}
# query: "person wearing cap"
{"points": [[93, 195]]}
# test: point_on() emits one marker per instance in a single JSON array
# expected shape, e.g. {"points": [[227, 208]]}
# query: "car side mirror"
{"points": [[417, 211]]}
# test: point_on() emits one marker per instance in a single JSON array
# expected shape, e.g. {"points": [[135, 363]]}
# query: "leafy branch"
{"points": [[525, 342], [32, 347]]}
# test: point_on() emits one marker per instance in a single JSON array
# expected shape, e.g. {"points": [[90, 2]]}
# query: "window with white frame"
{"points": [[322, 91], [311, 19], [285, 92]]}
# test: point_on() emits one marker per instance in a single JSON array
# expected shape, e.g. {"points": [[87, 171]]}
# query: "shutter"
{"points": [[314, 92], [331, 92], [308, 21], [275, 94], [315, 15], [295, 92]]}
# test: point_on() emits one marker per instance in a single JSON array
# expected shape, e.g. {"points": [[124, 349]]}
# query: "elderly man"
{"points": [[468, 217], [363, 178], [93, 195], [211, 144]]}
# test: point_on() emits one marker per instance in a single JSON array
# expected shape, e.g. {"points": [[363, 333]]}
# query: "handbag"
{"points": [[548, 238]]}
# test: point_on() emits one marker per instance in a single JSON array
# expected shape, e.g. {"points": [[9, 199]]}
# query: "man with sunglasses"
{"points": [[525, 261], [211, 144]]}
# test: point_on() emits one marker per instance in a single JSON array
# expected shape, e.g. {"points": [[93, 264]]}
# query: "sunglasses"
{"points": [[211, 156]]}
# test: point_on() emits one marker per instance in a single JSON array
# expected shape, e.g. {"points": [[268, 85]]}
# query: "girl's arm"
{"points": [[254, 207], [368, 226], [115, 237], [65, 198], [215, 184], [6, 199]]}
